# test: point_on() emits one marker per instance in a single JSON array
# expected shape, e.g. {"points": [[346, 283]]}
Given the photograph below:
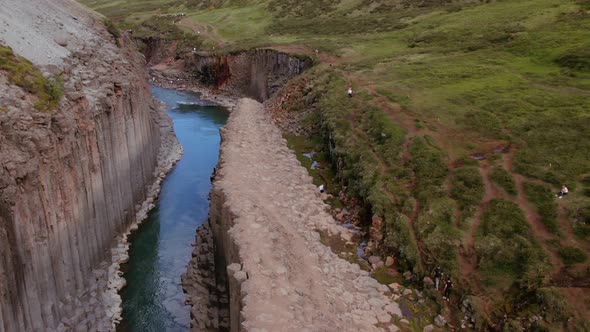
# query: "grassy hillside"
{"points": [[467, 119]]}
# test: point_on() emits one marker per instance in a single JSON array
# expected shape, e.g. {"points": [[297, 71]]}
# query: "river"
{"points": [[161, 248]]}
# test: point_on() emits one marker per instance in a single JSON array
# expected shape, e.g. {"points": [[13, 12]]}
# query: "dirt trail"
{"points": [[203, 29], [392, 199], [466, 255], [295, 283], [531, 214]]}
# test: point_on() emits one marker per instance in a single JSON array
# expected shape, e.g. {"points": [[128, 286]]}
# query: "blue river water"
{"points": [[161, 248]]}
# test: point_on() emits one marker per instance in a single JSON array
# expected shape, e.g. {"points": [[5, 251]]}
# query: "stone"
{"points": [[440, 321], [384, 318], [389, 261], [394, 286], [407, 292], [374, 259], [407, 275], [428, 283], [376, 303], [428, 328], [393, 328], [61, 40], [394, 309]]}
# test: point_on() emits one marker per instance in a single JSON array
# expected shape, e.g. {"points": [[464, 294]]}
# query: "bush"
{"points": [[468, 187], [505, 245], [544, 200], [572, 255], [431, 171], [23, 73], [399, 238], [502, 178], [556, 306], [112, 28]]}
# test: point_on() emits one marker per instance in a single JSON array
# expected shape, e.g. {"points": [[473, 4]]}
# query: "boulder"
{"points": [[440, 321], [389, 261], [407, 275], [394, 309], [374, 259], [384, 318], [428, 328], [394, 286], [428, 283]]}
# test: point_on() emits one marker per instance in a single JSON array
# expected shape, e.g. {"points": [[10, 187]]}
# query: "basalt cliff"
{"points": [[76, 176]]}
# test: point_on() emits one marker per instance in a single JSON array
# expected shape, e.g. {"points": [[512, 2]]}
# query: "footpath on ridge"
{"points": [[265, 204]]}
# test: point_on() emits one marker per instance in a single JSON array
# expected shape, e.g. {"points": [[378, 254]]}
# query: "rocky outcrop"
{"points": [[207, 292], [258, 73], [265, 216], [74, 178]]}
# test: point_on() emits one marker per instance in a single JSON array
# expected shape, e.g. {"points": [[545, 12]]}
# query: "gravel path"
{"points": [[295, 283]]}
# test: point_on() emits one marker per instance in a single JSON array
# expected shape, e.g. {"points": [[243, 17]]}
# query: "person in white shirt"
{"points": [[563, 191], [321, 188], [350, 92]]}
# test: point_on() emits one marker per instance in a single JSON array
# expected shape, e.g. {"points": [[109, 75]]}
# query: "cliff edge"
{"points": [[83, 148]]}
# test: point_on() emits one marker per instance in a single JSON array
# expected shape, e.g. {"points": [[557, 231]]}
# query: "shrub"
{"points": [[505, 245], [502, 178], [468, 187], [556, 306], [544, 200], [572, 255], [399, 238], [577, 60], [430, 169], [112, 28], [24, 74]]}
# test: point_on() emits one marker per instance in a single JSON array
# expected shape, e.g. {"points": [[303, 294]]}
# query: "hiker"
{"points": [[448, 289], [350, 92], [438, 273], [563, 192], [321, 188]]}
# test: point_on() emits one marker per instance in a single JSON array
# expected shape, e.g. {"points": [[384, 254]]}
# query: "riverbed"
{"points": [[161, 248]]}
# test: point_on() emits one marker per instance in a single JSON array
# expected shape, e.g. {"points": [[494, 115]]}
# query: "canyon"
{"points": [[73, 179]]}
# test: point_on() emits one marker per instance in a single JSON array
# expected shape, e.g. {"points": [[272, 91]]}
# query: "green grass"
{"points": [[506, 248], [572, 255], [503, 179], [468, 187], [544, 201], [21, 72]]}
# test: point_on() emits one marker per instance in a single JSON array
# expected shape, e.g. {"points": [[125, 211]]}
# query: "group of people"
{"points": [[448, 283]]}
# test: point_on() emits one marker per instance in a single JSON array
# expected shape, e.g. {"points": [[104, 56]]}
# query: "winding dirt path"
{"points": [[203, 29], [392, 199], [533, 218]]}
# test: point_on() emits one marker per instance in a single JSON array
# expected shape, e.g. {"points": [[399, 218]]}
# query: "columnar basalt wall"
{"points": [[258, 73], [71, 179]]}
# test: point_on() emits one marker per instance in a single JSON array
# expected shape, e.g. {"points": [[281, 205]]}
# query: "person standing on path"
{"points": [[438, 273], [350, 92], [448, 289]]}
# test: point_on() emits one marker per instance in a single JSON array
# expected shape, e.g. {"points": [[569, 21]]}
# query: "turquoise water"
{"points": [[161, 247]]}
